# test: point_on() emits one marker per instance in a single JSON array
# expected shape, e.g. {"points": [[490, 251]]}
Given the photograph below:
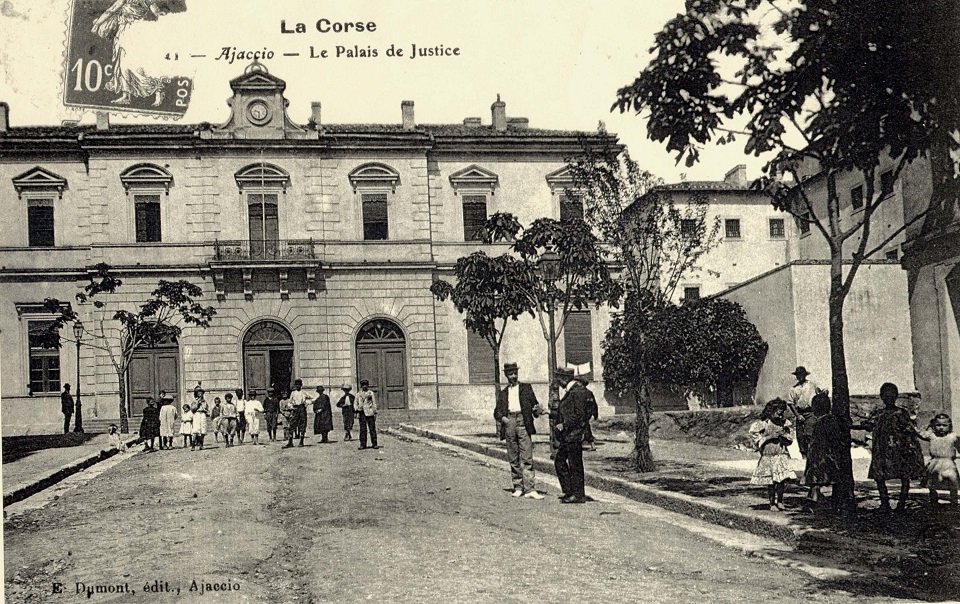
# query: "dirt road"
{"points": [[329, 523]]}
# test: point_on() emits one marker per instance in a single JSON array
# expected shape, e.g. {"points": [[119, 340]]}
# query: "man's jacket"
{"points": [[575, 409], [528, 400]]}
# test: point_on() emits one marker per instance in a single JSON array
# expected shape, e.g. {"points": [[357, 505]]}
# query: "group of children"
{"points": [[896, 452], [238, 416]]}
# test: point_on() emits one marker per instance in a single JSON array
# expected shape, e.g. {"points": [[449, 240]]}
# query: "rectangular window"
{"points": [[803, 223], [147, 210], [732, 228], [40, 223], [571, 207], [893, 255], [688, 227], [691, 294], [777, 228], [886, 183], [374, 216], [474, 217], [480, 364], [578, 342], [856, 197], [44, 357]]}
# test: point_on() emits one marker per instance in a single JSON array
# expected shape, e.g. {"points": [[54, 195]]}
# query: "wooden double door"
{"points": [[265, 368], [152, 370], [384, 366]]}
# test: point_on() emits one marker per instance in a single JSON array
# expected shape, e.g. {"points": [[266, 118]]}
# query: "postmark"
{"points": [[112, 61]]}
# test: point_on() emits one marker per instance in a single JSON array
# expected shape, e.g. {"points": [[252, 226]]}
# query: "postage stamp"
{"points": [[112, 61]]}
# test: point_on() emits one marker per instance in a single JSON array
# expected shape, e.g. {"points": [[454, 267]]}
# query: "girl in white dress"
{"points": [[186, 426], [252, 411]]}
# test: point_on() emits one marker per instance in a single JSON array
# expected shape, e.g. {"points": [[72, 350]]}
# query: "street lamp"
{"points": [[78, 335], [549, 267]]}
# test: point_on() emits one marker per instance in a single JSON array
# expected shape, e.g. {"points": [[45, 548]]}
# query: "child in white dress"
{"points": [[186, 426]]}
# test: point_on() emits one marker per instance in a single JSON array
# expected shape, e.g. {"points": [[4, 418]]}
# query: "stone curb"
{"points": [[65, 471], [701, 509]]}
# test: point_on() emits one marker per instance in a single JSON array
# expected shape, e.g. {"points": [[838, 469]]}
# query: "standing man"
{"points": [[517, 405], [298, 413], [347, 408], [66, 406], [241, 404], [801, 401], [271, 408], [367, 410], [573, 415]]}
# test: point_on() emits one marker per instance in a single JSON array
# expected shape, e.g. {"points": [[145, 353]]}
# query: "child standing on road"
{"points": [[115, 441], [824, 449], [942, 467], [896, 448], [772, 434], [186, 425]]}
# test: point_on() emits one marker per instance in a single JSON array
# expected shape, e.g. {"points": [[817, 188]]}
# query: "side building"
{"points": [[316, 244]]}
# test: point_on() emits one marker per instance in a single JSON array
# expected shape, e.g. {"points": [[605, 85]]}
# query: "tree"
{"points": [[838, 86], [159, 318], [707, 343], [487, 291], [565, 269], [655, 243]]}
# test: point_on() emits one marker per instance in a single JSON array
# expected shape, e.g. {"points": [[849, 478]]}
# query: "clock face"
{"points": [[258, 112]]}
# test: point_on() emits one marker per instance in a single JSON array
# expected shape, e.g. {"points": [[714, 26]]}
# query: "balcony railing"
{"points": [[256, 250]]}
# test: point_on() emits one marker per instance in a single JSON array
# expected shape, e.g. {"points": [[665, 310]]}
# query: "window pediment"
{"points": [[39, 179], [146, 176], [559, 180], [474, 177], [374, 175], [262, 176]]}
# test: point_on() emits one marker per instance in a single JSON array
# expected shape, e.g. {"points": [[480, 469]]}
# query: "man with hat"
{"points": [[367, 411], [346, 405], [517, 405], [298, 413], [801, 401], [271, 409], [573, 416]]}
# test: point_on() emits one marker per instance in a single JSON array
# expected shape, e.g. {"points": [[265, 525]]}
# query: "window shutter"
{"points": [[474, 217], [480, 360], [40, 226], [375, 216], [578, 340]]}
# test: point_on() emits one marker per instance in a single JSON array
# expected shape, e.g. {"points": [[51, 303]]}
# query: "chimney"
{"points": [[471, 122], [520, 123], [406, 110], [4, 117], [315, 113], [737, 175], [499, 112], [103, 120]]}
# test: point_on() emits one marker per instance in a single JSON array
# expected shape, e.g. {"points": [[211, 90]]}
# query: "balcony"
{"points": [[281, 251]]}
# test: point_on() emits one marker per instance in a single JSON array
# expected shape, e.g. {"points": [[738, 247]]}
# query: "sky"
{"points": [[557, 63]]}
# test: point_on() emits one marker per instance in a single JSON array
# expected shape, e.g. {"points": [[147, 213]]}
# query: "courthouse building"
{"points": [[316, 244]]}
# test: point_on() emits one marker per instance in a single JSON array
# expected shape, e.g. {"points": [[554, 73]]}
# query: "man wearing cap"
{"points": [[573, 415], [517, 405], [271, 409], [298, 413], [346, 405], [366, 404], [801, 399]]}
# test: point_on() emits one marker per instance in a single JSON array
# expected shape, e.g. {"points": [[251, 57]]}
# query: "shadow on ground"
{"points": [[18, 447]]}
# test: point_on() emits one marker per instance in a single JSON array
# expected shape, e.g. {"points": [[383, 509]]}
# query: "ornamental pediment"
{"points": [[146, 176], [39, 179], [373, 175], [560, 179], [474, 177]]}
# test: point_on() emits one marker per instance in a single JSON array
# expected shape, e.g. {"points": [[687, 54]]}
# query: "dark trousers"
{"points": [[271, 424], [66, 422], [569, 467], [368, 422]]}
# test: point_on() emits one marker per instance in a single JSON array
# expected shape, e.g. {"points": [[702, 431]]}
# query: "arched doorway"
{"points": [[267, 357], [381, 359], [151, 370]]}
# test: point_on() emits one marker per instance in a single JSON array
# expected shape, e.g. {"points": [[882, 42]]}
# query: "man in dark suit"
{"points": [[574, 414], [516, 407], [66, 407]]}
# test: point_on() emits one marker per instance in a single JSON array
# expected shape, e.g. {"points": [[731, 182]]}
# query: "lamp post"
{"points": [[549, 267], [78, 335]]}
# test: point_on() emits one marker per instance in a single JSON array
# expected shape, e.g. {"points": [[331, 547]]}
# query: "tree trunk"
{"points": [[724, 393], [844, 490], [642, 456], [496, 381], [124, 426]]}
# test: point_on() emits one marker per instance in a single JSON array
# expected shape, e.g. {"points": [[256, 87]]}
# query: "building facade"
{"points": [[316, 244]]}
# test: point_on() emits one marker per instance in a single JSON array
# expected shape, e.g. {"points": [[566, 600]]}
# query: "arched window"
{"points": [[375, 183]]}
